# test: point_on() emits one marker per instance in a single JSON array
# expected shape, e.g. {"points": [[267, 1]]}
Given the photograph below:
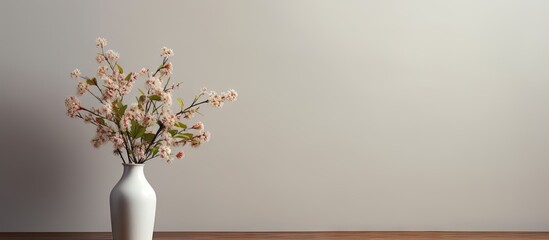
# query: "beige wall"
{"points": [[353, 115]]}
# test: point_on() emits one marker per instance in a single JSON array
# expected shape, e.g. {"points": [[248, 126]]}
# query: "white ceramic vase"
{"points": [[133, 205]]}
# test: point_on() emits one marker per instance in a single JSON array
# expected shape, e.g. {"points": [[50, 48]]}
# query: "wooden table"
{"points": [[292, 235]]}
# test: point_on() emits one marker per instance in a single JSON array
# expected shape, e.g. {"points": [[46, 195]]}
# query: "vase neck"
{"points": [[133, 170]]}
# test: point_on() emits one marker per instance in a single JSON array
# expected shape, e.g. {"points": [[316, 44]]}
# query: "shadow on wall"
{"points": [[33, 187]]}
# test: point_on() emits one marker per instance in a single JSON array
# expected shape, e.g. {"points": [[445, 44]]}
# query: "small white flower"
{"points": [[189, 113], [101, 136], [143, 71], [88, 118], [100, 58], [82, 88], [73, 105], [101, 42], [166, 52], [133, 77], [107, 109], [126, 123], [177, 85], [168, 118], [215, 99], [205, 136], [102, 71], [153, 83], [203, 91], [196, 142], [232, 95], [118, 141], [112, 56], [166, 98], [198, 126], [111, 94], [125, 88], [167, 139], [167, 69], [135, 112], [139, 151], [165, 152], [75, 73], [158, 91], [147, 120]]}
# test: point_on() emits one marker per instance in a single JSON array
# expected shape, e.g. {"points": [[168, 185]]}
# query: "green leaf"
{"points": [[184, 135], [172, 132], [141, 91], [140, 132], [100, 120], [122, 110], [190, 135], [155, 98], [128, 76], [181, 125], [133, 129], [154, 150], [92, 81], [120, 69], [180, 102], [137, 130], [148, 137]]}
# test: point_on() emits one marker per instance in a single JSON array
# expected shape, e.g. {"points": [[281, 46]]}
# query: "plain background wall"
{"points": [[352, 115]]}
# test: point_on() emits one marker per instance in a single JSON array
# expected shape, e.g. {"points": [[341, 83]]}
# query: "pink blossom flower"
{"points": [[88, 118], [153, 83], [196, 142], [101, 136], [75, 73], [198, 126], [231, 95], [147, 120], [100, 58], [125, 88], [143, 71], [166, 52], [165, 152], [203, 91], [118, 141], [111, 94], [139, 151], [166, 98], [180, 155], [177, 85], [101, 42], [189, 113], [126, 122], [215, 99], [81, 88], [168, 118], [107, 109], [102, 71], [167, 139], [205, 136], [112, 56], [167, 69], [73, 105]]}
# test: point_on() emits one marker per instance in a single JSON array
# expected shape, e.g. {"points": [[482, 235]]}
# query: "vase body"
{"points": [[133, 205]]}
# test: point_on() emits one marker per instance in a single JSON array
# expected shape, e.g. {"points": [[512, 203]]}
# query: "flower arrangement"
{"points": [[147, 128]]}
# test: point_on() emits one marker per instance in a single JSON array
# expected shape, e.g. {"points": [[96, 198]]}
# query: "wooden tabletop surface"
{"points": [[292, 235]]}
